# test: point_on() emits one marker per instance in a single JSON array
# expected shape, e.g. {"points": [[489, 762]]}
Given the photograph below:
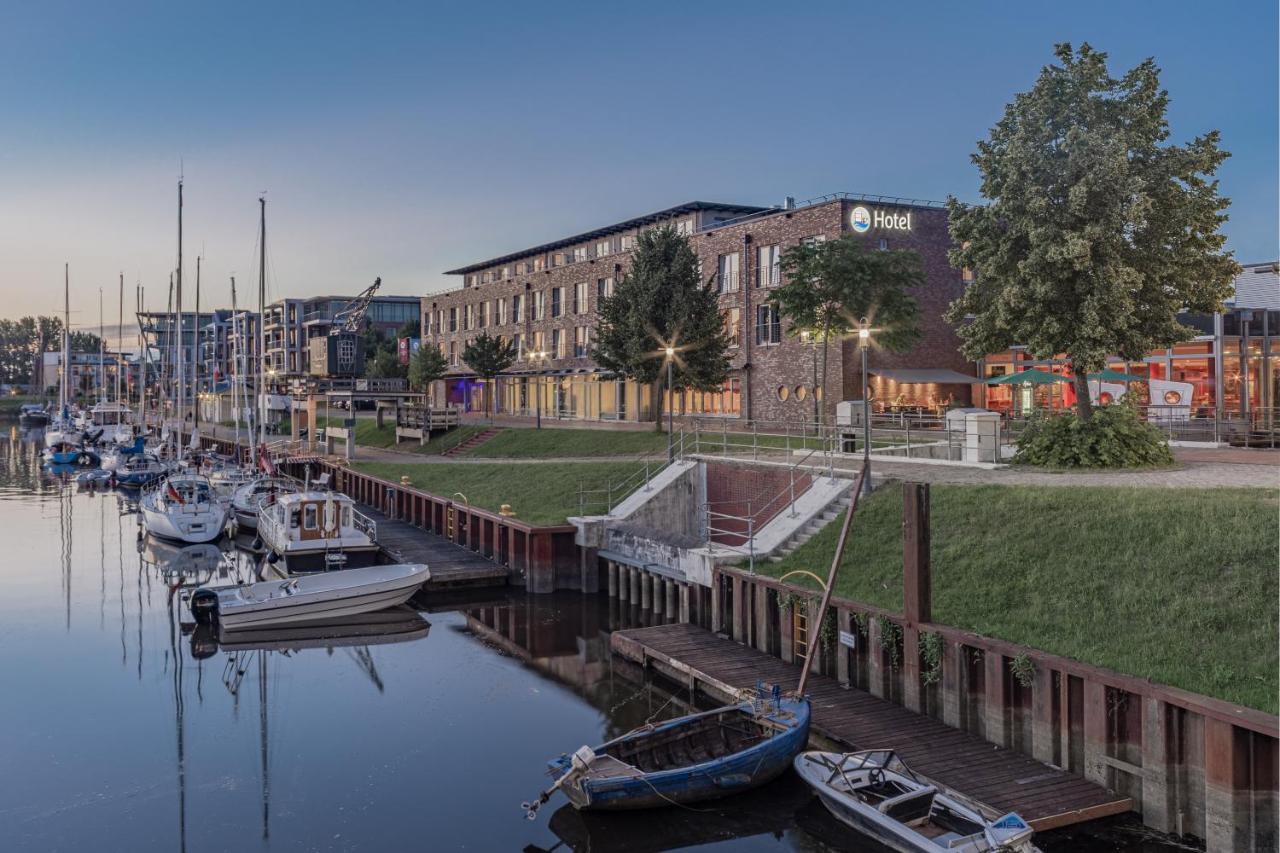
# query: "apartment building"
{"points": [[544, 300]]}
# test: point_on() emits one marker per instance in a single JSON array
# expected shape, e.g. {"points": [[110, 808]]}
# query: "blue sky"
{"points": [[402, 140]]}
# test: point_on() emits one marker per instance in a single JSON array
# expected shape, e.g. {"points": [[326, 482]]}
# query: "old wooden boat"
{"points": [[328, 595], [874, 792], [688, 759]]}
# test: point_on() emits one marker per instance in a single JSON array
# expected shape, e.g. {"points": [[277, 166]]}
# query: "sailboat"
{"points": [[184, 508], [63, 443]]}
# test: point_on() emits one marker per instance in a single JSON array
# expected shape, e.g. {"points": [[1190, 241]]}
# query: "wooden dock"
{"points": [[998, 779], [452, 566]]}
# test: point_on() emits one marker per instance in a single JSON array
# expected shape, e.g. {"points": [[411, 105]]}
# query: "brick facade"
{"points": [[763, 368]]}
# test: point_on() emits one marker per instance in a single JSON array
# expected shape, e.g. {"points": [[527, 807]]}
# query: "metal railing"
{"points": [[728, 528], [602, 500]]}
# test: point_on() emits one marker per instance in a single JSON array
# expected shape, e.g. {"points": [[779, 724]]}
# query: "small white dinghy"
{"points": [[309, 597], [876, 794]]}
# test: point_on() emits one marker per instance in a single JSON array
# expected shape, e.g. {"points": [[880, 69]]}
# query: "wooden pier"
{"points": [[452, 566], [1001, 780]]}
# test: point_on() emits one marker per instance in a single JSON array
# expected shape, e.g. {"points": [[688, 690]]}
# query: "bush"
{"points": [[1115, 437]]}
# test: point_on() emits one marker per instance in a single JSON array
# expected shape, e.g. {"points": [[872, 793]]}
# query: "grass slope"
{"points": [[527, 443], [1176, 586], [540, 493]]}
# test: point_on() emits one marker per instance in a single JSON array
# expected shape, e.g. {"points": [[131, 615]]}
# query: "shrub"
{"points": [[1115, 437]]}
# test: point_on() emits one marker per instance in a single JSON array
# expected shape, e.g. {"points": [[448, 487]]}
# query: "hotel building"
{"points": [[544, 299]]}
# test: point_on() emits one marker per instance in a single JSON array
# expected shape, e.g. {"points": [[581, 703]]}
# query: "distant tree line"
{"points": [[21, 340]]}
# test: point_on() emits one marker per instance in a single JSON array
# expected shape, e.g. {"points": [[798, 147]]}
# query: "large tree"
{"points": [[661, 302], [1097, 231], [832, 285], [488, 357], [427, 365]]}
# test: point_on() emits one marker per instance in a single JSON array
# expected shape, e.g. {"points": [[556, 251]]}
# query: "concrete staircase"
{"points": [[830, 513], [474, 441]]}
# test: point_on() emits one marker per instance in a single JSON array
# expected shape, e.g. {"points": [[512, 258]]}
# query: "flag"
{"points": [[264, 461]]}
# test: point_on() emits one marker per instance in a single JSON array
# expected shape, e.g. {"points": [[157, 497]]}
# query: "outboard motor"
{"points": [[204, 606], [204, 640]]}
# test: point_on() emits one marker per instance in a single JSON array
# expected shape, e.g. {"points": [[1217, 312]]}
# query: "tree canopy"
{"points": [[1097, 231], [22, 339], [488, 356], [427, 365], [832, 285], [661, 301]]}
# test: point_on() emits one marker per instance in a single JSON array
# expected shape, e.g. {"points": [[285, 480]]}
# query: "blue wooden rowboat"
{"points": [[688, 759]]}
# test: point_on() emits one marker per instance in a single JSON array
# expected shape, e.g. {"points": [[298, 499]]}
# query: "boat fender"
{"points": [[273, 558], [204, 606]]}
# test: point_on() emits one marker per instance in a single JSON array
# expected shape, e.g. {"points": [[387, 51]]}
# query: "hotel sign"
{"points": [[863, 219]]}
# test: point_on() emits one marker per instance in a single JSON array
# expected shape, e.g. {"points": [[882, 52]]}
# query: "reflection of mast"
{"points": [[102, 568], [262, 725], [64, 525], [178, 720], [124, 651], [364, 659]]}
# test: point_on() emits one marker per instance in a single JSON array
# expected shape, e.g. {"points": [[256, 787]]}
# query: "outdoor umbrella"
{"points": [[1110, 375], [1028, 377]]}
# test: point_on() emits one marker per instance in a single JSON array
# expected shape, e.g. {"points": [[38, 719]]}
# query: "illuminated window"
{"points": [[783, 392]]}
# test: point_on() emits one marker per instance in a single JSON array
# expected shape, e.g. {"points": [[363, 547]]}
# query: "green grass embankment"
{"points": [[1179, 586]]}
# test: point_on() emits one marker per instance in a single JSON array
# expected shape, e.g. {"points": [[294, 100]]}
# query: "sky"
{"points": [[402, 140]]}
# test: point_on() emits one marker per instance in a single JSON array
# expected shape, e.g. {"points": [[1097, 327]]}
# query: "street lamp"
{"points": [[671, 446], [864, 344], [538, 358]]}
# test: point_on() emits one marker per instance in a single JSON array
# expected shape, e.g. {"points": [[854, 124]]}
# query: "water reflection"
{"points": [[419, 728]]}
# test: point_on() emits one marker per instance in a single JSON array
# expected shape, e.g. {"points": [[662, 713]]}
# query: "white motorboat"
{"points": [[315, 531], [228, 479], [32, 415], [139, 469], [249, 497], [876, 794], [310, 597], [185, 509]]}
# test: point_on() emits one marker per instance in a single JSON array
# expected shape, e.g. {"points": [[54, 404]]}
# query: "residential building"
{"points": [[547, 298]]}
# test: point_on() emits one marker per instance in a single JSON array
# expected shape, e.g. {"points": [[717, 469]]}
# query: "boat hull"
{"points": [[194, 528], [269, 604], [708, 780]]}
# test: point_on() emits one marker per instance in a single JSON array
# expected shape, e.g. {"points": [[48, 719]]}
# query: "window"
{"points": [[628, 242], [603, 248], [557, 343], [768, 324], [539, 305], [732, 324], [783, 393], [482, 315], [309, 516], [770, 269], [540, 342], [468, 317], [559, 259], [453, 352], [557, 301], [517, 309], [580, 305], [883, 245], [727, 273], [517, 341], [539, 263], [579, 254], [453, 319], [684, 227], [500, 312], [580, 341], [967, 276], [484, 278], [814, 240], [604, 289], [506, 272]]}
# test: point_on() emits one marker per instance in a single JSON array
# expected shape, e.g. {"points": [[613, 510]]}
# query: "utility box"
{"points": [[849, 413], [340, 355], [981, 436]]}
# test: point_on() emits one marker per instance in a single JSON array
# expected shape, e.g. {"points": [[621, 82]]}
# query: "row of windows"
{"points": [[768, 267], [541, 346], [599, 249], [556, 302]]}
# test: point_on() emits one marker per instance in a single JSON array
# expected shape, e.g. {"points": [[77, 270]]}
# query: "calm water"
{"points": [[120, 730]]}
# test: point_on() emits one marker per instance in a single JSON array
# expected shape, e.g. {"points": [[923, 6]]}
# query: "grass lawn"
{"points": [[540, 493], [528, 443], [10, 405], [1179, 586], [369, 435]]}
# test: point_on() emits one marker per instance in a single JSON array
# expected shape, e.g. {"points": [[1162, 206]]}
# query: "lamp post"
{"points": [[864, 344], [537, 387], [671, 446]]}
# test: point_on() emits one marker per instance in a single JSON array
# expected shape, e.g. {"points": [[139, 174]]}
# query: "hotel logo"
{"points": [[860, 220]]}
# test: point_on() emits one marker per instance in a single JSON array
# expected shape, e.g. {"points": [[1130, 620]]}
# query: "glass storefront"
{"points": [[574, 396]]}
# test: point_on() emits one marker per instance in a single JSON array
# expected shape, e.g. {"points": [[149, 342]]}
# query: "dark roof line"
{"points": [[626, 225]]}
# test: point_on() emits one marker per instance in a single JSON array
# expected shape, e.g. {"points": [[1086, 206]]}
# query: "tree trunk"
{"points": [[1084, 405], [826, 335]]}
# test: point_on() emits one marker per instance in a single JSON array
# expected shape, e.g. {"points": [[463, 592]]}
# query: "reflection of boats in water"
{"points": [[396, 625], [768, 810], [186, 563]]}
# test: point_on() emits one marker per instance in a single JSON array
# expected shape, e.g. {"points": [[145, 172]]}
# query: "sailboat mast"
{"points": [[236, 374], [182, 379], [102, 351], [195, 368], [262, 321], [144, 363], [120, 342], [66, 341]]}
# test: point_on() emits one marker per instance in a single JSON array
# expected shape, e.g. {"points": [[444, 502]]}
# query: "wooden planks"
{"points": [[1001, 780], [451, 564]]}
